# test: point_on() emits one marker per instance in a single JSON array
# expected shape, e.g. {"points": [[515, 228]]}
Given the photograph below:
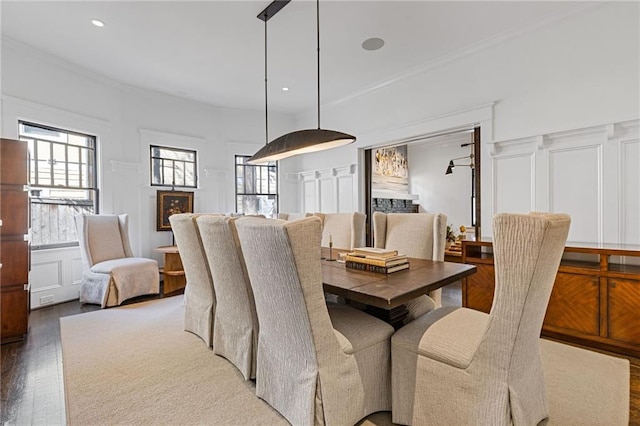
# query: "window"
{"points": [[173, 167], [62, 175], [256, 188]]}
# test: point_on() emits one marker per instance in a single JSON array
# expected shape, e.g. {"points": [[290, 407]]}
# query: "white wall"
{"points": [[44, 89], [574, 72]]}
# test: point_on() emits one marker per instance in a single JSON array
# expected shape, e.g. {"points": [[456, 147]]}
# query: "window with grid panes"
{"points": [[175, 167], [62, 175], [256, 187]]}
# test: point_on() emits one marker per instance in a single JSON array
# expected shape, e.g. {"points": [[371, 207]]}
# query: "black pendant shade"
{"points": [[300, 141], [450, 168]]}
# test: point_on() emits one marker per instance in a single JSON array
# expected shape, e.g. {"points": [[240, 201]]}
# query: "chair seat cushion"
{"points": [[450, 335], [108, 266], [357, 330]]}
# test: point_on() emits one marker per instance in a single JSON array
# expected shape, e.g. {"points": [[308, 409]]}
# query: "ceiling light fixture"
{"points": [[373, 43], [301, 141], [285, 89], [97, 23], [452, 164]]}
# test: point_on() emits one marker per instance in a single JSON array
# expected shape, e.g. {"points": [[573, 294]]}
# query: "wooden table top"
{"points": [[388, 291]]}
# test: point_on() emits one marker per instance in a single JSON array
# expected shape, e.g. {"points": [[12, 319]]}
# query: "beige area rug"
{"points": [[136, 365]]}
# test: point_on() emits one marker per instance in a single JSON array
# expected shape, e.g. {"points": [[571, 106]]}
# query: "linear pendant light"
{"points": [[300, 141]]}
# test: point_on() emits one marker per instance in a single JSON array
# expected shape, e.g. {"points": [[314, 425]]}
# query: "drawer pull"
{"points": [[595, 281], [612, 284]]}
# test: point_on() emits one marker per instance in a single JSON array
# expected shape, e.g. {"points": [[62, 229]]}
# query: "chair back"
{"points": [[345, 230], [199, 293], [235, 330], [296, 335], [527, 252], [103, 237], [420, 235], [292, 216]]}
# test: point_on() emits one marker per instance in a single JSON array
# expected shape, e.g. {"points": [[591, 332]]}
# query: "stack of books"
{"points": [[376, 260]]}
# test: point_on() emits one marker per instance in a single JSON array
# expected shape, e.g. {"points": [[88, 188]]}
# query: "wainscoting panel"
{"points": [[630, 192], [345, 193], [515, 192], [592, 174], [575, 188], [329, 190], [55, 276]]}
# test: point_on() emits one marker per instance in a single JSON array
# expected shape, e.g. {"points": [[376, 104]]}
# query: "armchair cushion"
{"points": [[356, 330]]}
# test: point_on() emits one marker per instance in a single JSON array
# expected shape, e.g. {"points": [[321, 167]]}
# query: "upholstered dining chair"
{"points": [[111, 274], [345, 230], [199, 294], [316, 364], [235, 330], [419, 235], [464, 367], [293, 216]]}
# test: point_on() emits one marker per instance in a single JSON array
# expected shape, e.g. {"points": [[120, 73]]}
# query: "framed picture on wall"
{"points": [[172, 202]]}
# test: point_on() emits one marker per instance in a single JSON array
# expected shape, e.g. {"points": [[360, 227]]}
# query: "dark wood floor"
{"points": [[32, 389]]}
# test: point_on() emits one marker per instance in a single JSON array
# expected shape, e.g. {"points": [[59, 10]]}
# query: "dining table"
{"points": [[386, 295]]}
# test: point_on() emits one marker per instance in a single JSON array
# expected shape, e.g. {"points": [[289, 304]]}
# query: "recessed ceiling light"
{"points": [[285, 89], [97, 23], [373, 43]]}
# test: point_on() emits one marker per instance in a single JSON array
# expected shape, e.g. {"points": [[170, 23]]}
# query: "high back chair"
{"points": [[419, 235], [199, 294], [111, 274], [235, 330], [292, 216], [315, 364], [464, 367], [344, 230]]}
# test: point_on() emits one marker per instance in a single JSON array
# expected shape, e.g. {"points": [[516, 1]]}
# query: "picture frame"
{"points": [[171, 202]]}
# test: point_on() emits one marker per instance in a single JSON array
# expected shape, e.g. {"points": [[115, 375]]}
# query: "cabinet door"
{"points": [[575, 304], [624, 311], [480, 288]]}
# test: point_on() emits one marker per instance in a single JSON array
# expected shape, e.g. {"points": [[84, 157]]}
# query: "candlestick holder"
{"points": [[330, 258]]}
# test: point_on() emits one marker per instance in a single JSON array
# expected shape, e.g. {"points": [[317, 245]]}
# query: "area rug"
{"points": [[136, 365]]}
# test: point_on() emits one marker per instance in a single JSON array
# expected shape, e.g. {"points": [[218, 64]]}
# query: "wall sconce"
{"points": [[452, 164]]}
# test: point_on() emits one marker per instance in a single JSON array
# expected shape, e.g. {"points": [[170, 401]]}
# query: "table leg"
{"points": [[394, 316]]}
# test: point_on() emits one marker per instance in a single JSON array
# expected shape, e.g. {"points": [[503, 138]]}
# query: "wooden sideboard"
{"points": [[14, 241], [595, 299], [174, 277]]}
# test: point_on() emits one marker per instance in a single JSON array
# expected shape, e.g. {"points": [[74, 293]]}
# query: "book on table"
{"points": [[375, 268], [390, 261], [374, 252]]}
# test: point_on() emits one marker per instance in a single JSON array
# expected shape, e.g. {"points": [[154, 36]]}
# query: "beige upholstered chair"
{"points": [[199, 294], [346, 230], [315, 364], [458, 366], [235, 330], [292, 216], [111, 274], [419, 235]]}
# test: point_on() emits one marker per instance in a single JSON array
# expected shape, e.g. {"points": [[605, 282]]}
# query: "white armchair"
{"points": [[111, 274]]}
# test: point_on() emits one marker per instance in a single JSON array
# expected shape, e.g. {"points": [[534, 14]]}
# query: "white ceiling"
{"points": [[213, 51]]}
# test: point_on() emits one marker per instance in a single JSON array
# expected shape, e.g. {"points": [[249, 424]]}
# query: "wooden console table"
{"points": [[595, 299], [173, 271]]}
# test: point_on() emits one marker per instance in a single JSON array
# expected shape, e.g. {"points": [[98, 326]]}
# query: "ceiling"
{"points": [[213, 51]]}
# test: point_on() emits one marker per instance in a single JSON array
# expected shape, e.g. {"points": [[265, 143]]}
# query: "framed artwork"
{"points": [[390, 170], [172, 202]]}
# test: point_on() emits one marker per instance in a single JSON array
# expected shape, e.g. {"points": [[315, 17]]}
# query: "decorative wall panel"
{"points": [[515, 192]]}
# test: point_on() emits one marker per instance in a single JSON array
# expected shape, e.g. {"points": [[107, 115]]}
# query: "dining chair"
{"points": [[460, 366], [199, 293], [235, 329], [293, 216], [418, 235], [344, 230], [316, 363], [111, 274]]}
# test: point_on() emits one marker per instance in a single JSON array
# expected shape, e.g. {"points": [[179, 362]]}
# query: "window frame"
{"points": [[261, 167], [162, 159], [35, 188]]}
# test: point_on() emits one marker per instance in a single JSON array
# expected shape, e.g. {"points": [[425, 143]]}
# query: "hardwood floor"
{"points": [[32, 389]]}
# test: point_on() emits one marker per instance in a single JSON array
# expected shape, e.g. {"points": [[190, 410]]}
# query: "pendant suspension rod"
{"points": [[266, 97], [318, 44]]}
